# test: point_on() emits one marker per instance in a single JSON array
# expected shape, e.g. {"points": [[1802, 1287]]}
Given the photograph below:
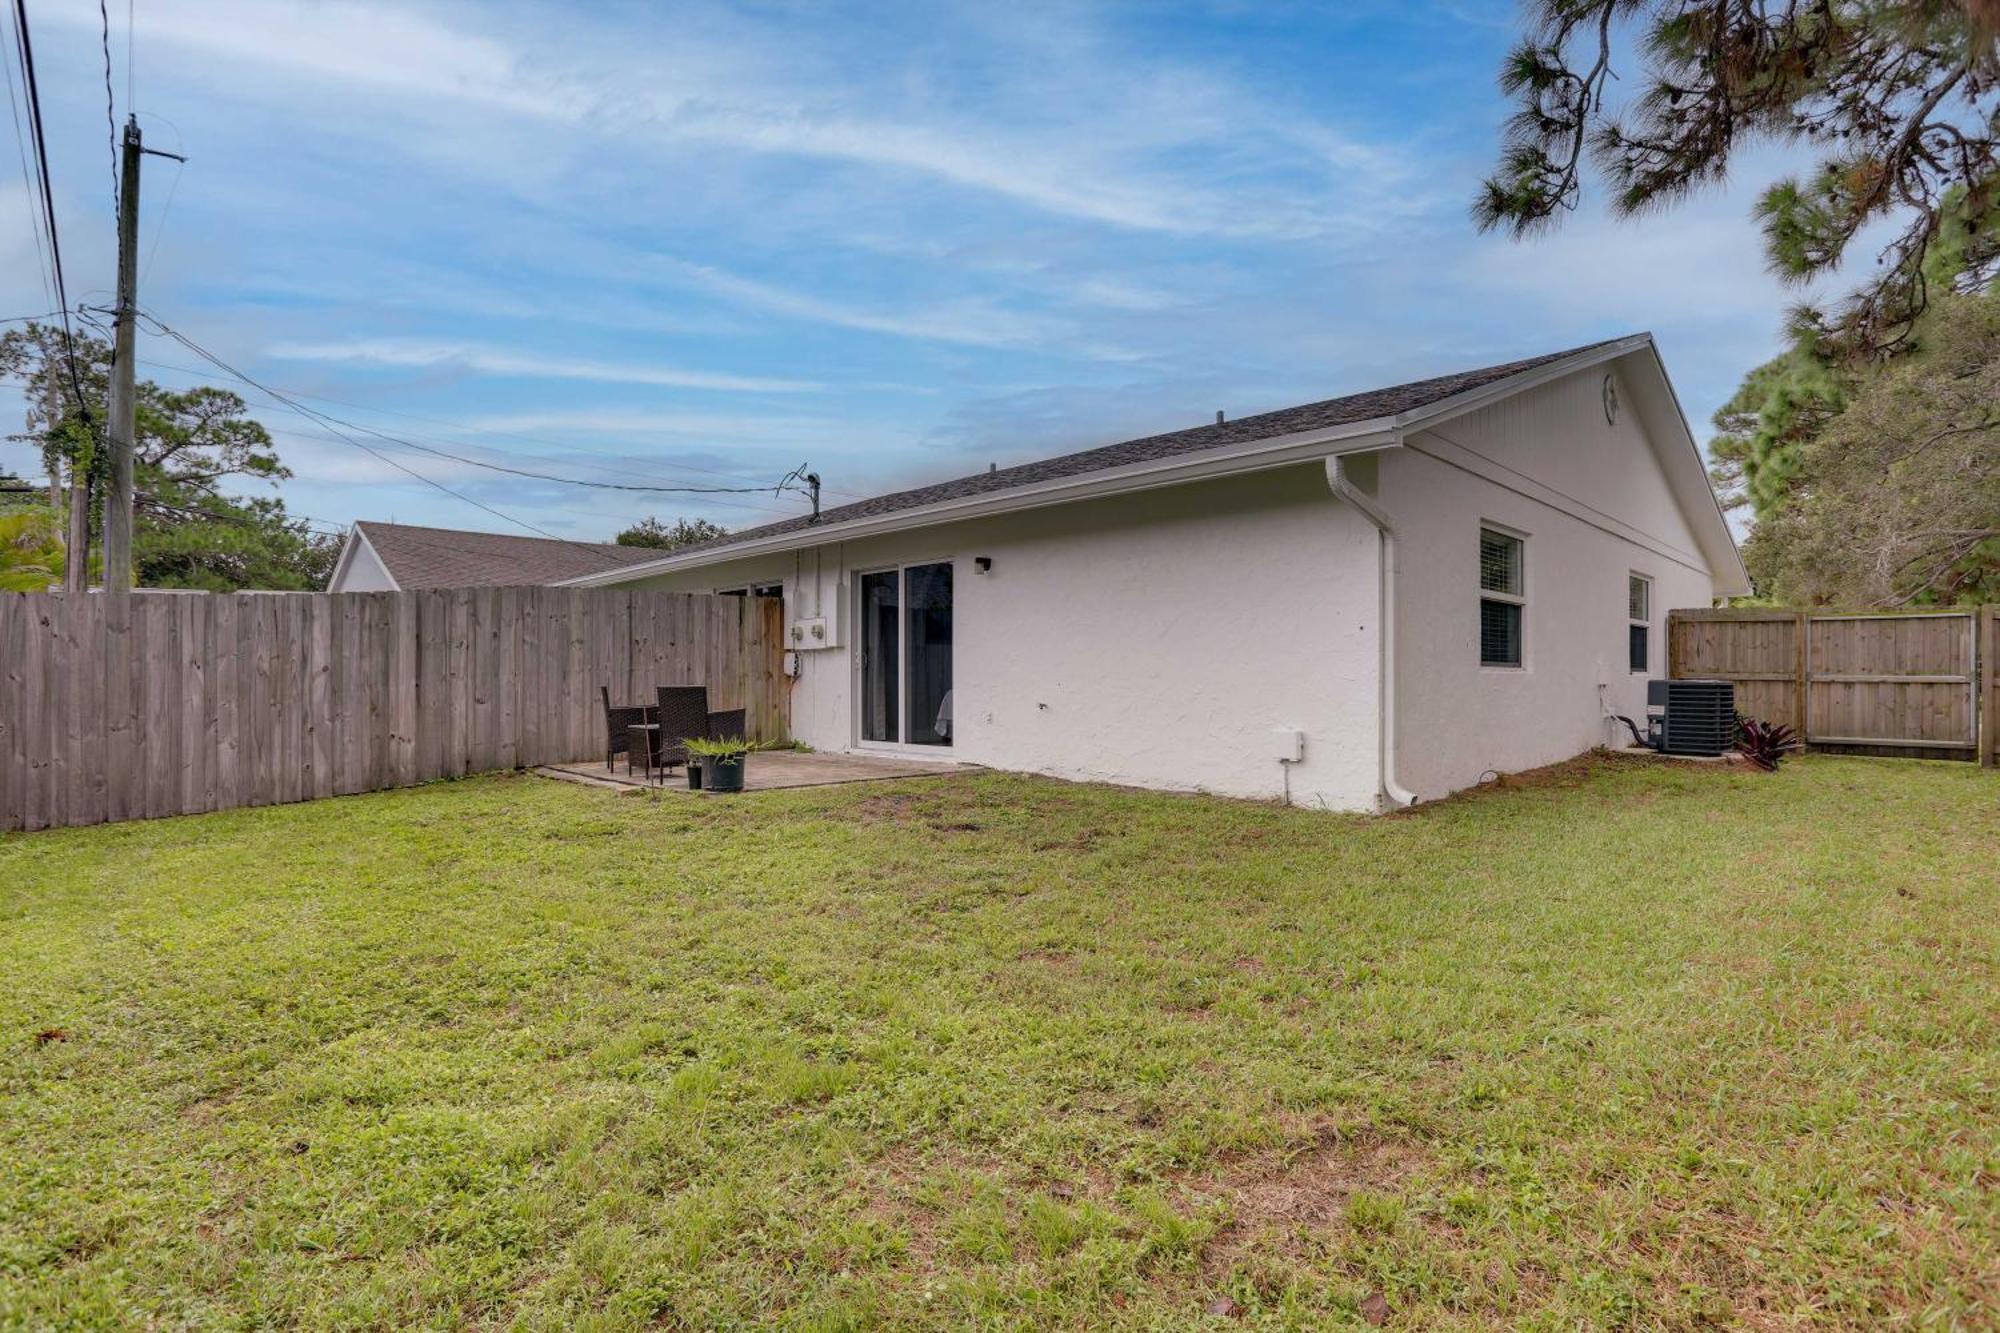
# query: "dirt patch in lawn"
{"points": [[1282, 1201], [1569, 773], [894, 808]]}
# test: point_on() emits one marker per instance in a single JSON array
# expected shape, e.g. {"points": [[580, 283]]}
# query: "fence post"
{"points": [[1989, 686], [1802, 688]]}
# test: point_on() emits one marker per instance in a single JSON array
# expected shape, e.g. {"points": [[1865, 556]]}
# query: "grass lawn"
{"points": [[1635, 1046]]}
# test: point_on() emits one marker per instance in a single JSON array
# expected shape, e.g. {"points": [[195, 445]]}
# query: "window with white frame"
{"points": [[1639, 630], [1503, 597]]}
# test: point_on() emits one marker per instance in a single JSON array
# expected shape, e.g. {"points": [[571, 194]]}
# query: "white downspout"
{"points": [[1343, 486]]}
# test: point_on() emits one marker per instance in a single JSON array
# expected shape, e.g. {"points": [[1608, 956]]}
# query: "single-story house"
{"points": [[1352, 604], [391, 557]]}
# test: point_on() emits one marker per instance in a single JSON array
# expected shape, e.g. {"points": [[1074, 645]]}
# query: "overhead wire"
{"points": [[779, 487], [381, 457], [324, 528], [27, 176], [173, 189], [413, 416], [110, 110], [333, 429], [26, 48], [323, 428]]}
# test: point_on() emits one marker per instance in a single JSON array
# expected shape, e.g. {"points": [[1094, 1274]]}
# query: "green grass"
{"points": [[1634, 1046]]}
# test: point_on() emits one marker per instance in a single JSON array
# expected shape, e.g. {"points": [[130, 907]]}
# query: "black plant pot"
{"points": [[723, 775], [694, 775]]}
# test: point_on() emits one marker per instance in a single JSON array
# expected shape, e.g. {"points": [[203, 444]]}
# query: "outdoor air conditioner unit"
{"points": [[1696, 717]]}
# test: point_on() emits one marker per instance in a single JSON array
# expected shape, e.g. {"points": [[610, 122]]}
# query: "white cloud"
{"points": [[716, 424], [971, 322], [741, 89], [476, 359]]}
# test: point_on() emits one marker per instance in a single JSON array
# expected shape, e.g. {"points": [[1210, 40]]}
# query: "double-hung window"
{"points": [[1503, 597], [1639, 614]]}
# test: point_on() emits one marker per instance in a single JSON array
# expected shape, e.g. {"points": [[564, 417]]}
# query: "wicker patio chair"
{"points": [[683, 713], [618, 724], [726, 724]]}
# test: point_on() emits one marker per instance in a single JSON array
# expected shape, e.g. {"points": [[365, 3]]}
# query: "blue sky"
{"points": [[698, 244]]}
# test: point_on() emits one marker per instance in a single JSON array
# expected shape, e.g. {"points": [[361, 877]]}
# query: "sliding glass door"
{"points": [[905, 677], [881, 655]]}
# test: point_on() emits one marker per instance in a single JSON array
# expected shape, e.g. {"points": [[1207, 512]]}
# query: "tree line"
{"points": [[187, 532]]}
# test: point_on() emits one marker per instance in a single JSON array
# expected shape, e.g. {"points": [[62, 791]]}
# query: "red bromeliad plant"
{"points": [[1765, 744]]}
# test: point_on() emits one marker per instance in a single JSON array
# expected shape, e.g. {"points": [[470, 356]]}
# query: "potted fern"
{"points": [[722, 760]]}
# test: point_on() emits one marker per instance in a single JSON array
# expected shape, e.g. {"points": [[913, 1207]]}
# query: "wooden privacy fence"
{"points": [[1917, 683], [163, 704]]}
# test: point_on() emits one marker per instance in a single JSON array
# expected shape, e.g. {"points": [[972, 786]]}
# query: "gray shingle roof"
{"points": [[1354, 407], [449, 558]]}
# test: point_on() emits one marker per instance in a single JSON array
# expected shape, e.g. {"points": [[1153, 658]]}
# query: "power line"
{"points": [[110, 111], [512, 435], [173, 186], [320, 429], [309, 413], [26, 47], [711, 500], [779, 487], [317, 420], [193, 513], [28, 183], [454, 425], [506, 434]]}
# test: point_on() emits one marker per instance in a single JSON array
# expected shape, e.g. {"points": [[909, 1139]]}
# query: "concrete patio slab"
{"points": [[770, 771]]}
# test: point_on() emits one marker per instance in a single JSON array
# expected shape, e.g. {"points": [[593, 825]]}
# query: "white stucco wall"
{"points": [[361, 570], [1156, 639], [1594, 509], [1161, 638]]}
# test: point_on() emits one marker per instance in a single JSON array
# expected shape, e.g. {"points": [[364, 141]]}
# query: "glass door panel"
{"points": [[881, 655], [927, 673]]}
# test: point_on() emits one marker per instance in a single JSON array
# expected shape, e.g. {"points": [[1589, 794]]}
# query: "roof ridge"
{"points": [[1190, 439]]}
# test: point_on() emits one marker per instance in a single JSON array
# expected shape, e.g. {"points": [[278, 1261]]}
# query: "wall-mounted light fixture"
{"points": [[982, 564]]}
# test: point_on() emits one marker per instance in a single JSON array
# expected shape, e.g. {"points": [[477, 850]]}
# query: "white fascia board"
{"points": [[1458, 405], [1251, 456], [1733, 579], [340, 563]]}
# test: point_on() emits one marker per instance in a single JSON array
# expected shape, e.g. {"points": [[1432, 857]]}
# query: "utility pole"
{"points": [[122, 428], [124, 407], [75, 462], [76, 542]]}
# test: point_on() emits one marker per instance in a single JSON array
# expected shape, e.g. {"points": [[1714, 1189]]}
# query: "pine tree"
{"points": [[1899, 100]]}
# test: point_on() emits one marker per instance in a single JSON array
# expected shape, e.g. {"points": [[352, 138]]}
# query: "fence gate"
{"points": [[1893, 681], [1907, 684]]}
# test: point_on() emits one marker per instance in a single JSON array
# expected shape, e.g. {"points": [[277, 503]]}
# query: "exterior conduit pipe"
{"points": [[1343, 486]]}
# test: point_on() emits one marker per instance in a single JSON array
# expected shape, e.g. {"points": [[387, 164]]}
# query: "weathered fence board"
{"points": [[1911, 683], [1761, 656], [157, 704], [1989, 669]]}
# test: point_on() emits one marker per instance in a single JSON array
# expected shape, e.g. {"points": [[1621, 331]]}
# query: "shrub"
{"points": [[1765, 744]]}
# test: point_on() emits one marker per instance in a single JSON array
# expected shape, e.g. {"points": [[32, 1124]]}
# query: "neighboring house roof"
{"points": [[419, 557], [1356, 423]]}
